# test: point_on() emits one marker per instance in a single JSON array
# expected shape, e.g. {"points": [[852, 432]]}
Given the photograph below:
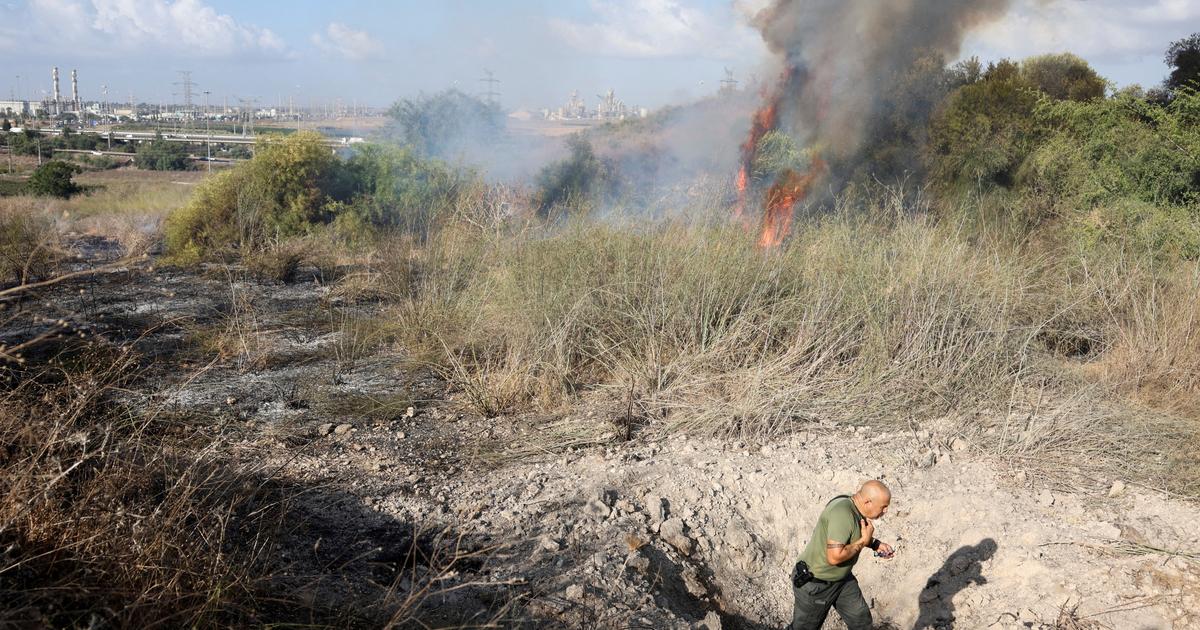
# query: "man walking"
{"points": [[822, 578]]}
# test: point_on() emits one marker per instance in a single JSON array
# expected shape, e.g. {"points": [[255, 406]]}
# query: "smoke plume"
{"points": [[838, 56]]}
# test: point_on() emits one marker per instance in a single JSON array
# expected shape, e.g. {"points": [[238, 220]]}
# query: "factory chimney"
{"points": [[57, 96], [75, 91]]}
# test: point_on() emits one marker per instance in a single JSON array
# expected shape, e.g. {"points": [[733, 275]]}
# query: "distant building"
{"points": [[20, 108], [609, 107]]}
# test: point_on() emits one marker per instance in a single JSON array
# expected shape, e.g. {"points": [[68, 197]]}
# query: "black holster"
{"points": [[801, 574]]}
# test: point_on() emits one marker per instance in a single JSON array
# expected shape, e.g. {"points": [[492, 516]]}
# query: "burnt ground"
{"points": [[402, 499]]}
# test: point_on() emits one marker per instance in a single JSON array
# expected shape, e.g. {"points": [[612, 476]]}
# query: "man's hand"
{"points": [[868, 531], [885, 551]]}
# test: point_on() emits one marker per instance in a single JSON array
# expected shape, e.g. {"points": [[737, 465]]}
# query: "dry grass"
{"points": [[880, 314], [123, 518], [29, 244]]}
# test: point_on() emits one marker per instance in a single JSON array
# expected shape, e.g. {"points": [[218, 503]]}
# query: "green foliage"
{"points": [[1064, 77], [53, 179], [161, 155], [6, 126], [575, 181], [394, 188], [1123, 168], [445, 124], [776, 153], [1183, 57], [214, 219], [984, 130], [295, 184]]}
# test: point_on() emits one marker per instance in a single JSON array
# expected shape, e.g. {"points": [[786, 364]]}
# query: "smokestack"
{"points": [[75, 91], [57, 96]]}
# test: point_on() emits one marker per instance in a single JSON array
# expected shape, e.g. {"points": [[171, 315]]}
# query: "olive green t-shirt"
{"points": [[839, 521]]}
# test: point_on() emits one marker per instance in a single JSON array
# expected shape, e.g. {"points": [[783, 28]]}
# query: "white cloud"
{"points": [[656, 28], [184, 27], [355, 45], [1100, 30]]}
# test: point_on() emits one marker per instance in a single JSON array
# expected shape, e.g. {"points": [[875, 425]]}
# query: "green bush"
{"points": [[296, 184], [394, 188], [575, 181], [161, 155], [53, 179]]}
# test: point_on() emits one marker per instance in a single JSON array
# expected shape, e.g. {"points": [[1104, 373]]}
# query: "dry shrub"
{"points": [[1154, 353], [111, 517], [29, 245], [136, 235]]}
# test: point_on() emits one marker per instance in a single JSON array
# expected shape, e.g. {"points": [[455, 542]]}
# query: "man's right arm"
{"points": [[837, 552]]}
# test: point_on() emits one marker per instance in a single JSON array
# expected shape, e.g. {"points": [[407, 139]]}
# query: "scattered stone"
{"points": [[231, 401], [574, 592], [711, 621], [637, 562], [401, 435], [325, 429], [597, 509], [410, 412], [1117, 489], [549, 544], [926, 459], [656, 507], [958, 445], [672, 531], [693, 583], [1046, 498], [1021, 477], [626, 506], [343, 429]]}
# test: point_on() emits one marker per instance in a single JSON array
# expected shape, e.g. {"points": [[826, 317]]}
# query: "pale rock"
{"points": [[693, 583], [1117, 489], [597, 509], [1046, 498], [343, 429], [638, 562], [672, 531], [958, 445], [656, 507], [325, 429], [711, 621], [574, 593], [626, 506]]}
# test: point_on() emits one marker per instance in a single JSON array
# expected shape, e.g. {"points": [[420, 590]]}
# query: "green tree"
{"points": [[575, 180], [1064, 77], [446, 124], [53, 179], [1183, 57], [7, 126], [161, 155], [983, 131]]}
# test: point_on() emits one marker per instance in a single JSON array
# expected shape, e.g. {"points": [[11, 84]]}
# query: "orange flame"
{"points": [[789, 189], [764, 120]]}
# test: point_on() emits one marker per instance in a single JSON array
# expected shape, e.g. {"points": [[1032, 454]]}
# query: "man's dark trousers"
{"points": [[813, 601]]}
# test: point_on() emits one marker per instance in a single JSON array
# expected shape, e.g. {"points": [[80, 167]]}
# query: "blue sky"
{"points": [[653, 52]]}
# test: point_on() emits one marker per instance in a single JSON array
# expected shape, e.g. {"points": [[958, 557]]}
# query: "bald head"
{"points": [[873, 498]]}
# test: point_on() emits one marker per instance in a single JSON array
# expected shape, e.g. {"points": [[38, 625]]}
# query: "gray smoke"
{"points": [[839, 56]]}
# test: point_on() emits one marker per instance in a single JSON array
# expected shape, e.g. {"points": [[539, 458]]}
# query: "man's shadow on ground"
{"points": [[963, 568]]}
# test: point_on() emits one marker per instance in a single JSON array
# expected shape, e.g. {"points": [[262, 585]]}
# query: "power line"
{"points": [[490, 79]]}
